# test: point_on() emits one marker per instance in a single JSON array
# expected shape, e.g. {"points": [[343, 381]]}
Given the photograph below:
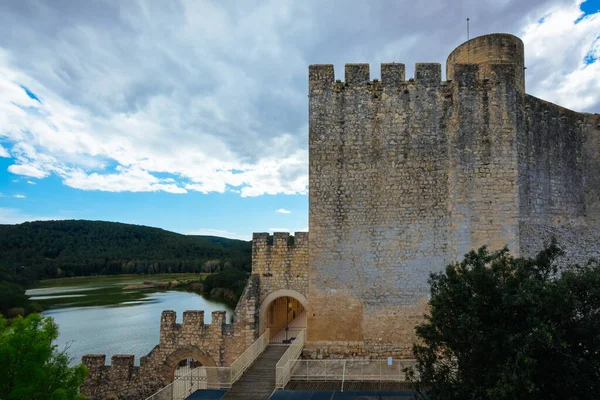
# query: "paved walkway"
{"points": [[258, 382]]}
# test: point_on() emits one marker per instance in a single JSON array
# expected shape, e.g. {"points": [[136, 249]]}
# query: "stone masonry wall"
{"points": [[405, 177], [482, 175], [559, 183], [214, 344], [280, 266], [488, 50]]}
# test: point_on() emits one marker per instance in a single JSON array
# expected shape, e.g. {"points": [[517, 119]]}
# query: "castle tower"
{"points": [[488, 50], [408, 176]]}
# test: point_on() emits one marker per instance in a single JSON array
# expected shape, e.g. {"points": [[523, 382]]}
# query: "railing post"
{"points": [[343, 375]]}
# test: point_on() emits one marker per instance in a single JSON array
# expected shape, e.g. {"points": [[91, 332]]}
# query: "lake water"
{"points": [[103, 316]]}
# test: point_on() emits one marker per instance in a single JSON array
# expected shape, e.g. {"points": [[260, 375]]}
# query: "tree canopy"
{"points": [[511, 328], [53, 249], [32, 368]]}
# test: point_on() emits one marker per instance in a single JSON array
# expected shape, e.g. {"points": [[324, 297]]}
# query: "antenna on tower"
{"points": [[468, 28]]}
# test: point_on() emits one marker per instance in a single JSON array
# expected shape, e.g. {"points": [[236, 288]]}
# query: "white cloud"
{"points": [[19, 196], [32, 182], [228, 113], [3, 152], [197, 122], [125, 179], [555, 52], [219, 232], [16, 216], [27, 170], [283, 211]]}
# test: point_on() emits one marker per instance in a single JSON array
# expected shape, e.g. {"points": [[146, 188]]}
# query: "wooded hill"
{"points": [[52, 249]]}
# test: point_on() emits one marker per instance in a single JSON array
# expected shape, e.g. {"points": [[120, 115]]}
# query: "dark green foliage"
{"points": [[503, 329], [231, 279], [32, 368], [54, 249]]}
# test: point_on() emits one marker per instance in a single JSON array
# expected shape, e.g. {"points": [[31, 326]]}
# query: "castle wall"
{"points": [[214, 344], [405, 177], [481, 129], [487, 51], [280, 265], [559, 183]]}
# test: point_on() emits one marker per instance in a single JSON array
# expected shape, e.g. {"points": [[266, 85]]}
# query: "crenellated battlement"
{"points": [[500, 52], [322, 76], [392, 74], [193, 322], [281, 264], [280, 240], [118, 362], [213, 344], [495, 57], [120, 379]]}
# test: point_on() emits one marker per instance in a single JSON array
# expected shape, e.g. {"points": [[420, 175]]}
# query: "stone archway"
{"points": [[168, 367], [264, 305]]}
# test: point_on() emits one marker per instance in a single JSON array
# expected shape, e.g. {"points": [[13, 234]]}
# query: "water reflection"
{"points": [[109, 320]]}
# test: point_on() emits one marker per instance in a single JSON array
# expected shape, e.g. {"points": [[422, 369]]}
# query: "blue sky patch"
{"points": [[589, 7], [590, 57], [30, 94]]}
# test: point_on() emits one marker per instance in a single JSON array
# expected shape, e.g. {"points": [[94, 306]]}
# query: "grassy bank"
{"points": [[111, 290], [118, 279]]}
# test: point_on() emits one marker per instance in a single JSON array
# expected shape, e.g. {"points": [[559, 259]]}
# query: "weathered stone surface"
{"points": [[214, 344], [406, 177], [279, 265]]}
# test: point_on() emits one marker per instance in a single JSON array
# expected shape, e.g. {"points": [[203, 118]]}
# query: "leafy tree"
{"points": [[32, 368], [52, 249], [230, 278], [510, 328]]}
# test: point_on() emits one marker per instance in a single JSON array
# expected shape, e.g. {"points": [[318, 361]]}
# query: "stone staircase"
{"points": [[258, 382]]}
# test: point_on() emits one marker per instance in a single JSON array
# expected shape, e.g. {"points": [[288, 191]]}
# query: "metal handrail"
{"points": [[247, 358], [283, 367], [212, 377], [348, 370], [198, 378], [286, 335]]}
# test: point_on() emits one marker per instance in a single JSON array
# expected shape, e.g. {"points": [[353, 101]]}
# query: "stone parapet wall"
{"points": [[121, 379], [488, 50], [405, 177], [244, 330], [280, 265], [559, 183], [214, 344], [343, 350]]}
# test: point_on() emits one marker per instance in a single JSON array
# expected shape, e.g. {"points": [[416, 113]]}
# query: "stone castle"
{"points": [[405, 176]]}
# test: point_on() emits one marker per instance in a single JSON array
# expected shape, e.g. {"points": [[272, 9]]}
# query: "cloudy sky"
{"points": [[192, 115]]}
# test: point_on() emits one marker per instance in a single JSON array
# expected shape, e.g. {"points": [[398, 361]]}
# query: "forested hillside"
{"points": [[51, 249]]}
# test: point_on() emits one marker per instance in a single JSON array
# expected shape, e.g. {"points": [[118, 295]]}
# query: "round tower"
{"points": [[487, 50]]}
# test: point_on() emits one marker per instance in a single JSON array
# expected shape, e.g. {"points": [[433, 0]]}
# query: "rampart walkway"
{"points": [[258, 382]]}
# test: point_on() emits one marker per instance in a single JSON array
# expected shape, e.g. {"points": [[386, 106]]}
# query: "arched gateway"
{"points": [[283, 312], [274, 297], [404, 178]]}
